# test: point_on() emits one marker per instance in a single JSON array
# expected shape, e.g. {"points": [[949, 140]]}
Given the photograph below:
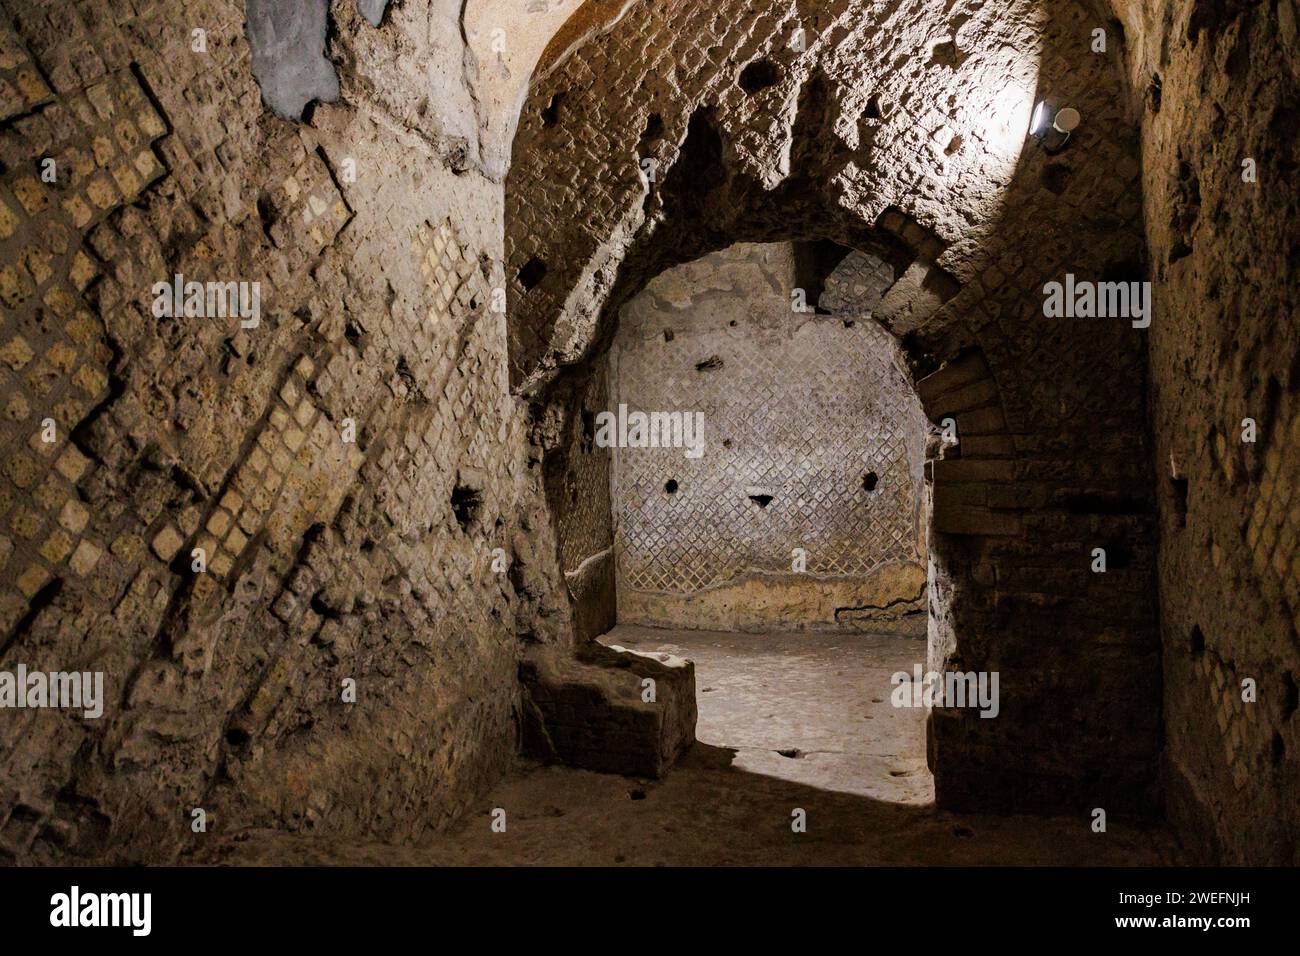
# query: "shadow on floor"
{"points": [[708, 813]]}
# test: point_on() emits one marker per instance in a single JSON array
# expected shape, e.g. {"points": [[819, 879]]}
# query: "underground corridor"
{"points": [[782, 549], [650, 432]]}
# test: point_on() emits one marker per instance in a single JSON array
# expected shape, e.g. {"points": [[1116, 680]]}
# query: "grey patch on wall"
{"points": [[372, 10], [289, 62]]}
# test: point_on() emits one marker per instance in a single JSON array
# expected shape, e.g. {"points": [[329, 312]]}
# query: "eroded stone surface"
{"points": [[1216, 87], [327, 559], [376, 234], [608, 709], [902, 131]]}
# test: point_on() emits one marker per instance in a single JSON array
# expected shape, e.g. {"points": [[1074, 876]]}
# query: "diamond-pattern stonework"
{"points": [[315, 547], [814, 412], [228, 518]]}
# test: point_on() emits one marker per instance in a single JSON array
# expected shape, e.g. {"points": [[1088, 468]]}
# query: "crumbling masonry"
{"points": [[364, 486]]}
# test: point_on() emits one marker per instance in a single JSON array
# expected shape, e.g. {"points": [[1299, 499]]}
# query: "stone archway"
{"points": [[900, 129]]}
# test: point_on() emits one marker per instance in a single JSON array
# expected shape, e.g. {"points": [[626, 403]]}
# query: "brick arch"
{"points": [[880, 133]]}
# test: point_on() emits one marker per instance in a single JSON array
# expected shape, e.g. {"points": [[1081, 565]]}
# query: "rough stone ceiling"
{"points": [[890, 106]]}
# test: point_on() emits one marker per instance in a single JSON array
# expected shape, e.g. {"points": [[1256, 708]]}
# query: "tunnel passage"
{"points": [[781, 545], [928, 161], [382, 280]]}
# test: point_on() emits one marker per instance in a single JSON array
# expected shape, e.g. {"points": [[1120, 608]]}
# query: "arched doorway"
{"points": [[633, 176]]}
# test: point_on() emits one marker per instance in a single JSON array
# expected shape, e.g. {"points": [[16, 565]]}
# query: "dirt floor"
{"points": [[787, 722]]}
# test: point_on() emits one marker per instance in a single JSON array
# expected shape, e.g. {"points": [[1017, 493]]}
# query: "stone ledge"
{"points": [[587, 710]]}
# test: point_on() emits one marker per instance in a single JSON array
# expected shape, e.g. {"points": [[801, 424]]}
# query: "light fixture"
{"points": [[1040, 116], [1053, 137]]}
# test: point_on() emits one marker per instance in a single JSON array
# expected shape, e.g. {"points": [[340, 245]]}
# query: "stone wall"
{"points": [[578, 486], [1217, 85], [812, 439], [374, 231]]}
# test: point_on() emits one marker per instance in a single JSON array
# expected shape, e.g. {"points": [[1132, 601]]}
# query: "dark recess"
{"points": [[465, 504], [532, 273], [758, 76], [551, 111]]}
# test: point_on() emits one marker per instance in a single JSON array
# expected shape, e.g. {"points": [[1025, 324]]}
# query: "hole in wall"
{"points": [[1116, 28], [870, 480], [670, 486], [352, 332], [1154, 93], [551, 111], [874, 110], [709, 364], [1179, 488], [323, 607], [533, 271], [699, 169], [814, 262], [668, 335], [654, 128], [1196, 641], [267, 214], [758, 76], [465, 505], [1056, 176], [946, 54], [761, 499]]}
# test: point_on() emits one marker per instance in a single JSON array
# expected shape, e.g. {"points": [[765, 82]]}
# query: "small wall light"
{"points": [[1053, 137], [1039, 121]]}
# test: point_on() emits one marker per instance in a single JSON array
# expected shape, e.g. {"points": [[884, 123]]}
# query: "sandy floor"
{"points": [[787, 722]]}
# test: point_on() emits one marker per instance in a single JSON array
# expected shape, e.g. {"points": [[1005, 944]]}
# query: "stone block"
{"points": [[608, 709]]}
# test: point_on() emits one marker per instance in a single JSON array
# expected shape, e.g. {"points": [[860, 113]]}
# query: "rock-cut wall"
{"points": [[1218, 89], [298, 541]]}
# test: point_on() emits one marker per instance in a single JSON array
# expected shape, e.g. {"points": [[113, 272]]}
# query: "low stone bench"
{"points": [[607, 708]]}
